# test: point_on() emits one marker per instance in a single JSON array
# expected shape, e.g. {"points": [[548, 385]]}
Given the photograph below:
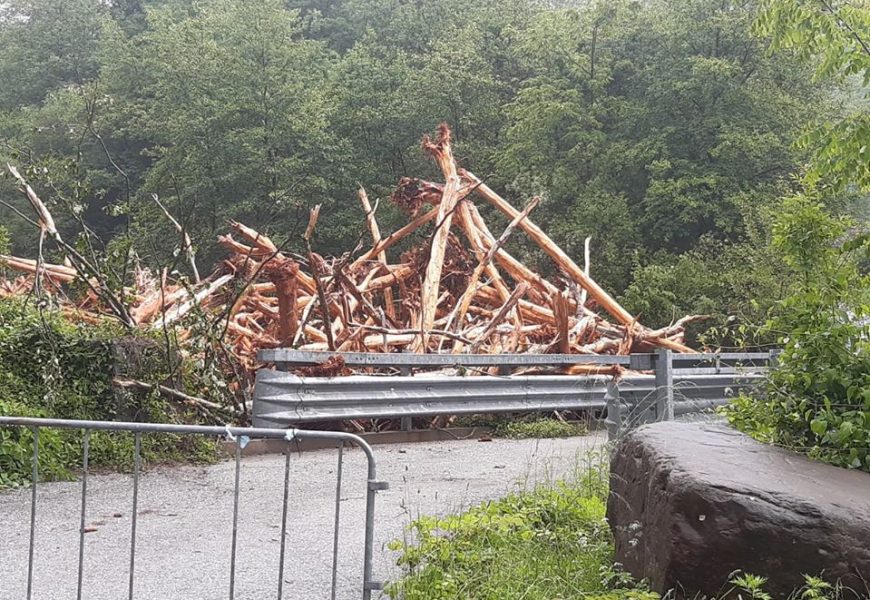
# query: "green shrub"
{"points": [[817, 400], [50, 367], [16, 446]]}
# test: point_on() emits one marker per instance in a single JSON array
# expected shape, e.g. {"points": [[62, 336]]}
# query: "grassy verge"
{"points": [[548, 543]]}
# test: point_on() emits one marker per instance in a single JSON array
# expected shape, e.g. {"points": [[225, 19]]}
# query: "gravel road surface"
{"points": [[185, 519]]}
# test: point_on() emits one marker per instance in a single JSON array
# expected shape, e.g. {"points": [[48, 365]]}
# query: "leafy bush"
{"points": [[817, 400], [52, 368], [16, 446], [733, 284]]}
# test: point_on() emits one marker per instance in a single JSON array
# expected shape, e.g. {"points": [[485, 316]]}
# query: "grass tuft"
{"points": [[539, 428]]}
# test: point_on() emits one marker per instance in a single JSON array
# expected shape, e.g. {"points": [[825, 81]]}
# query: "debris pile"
{"points": [[459, 291]]}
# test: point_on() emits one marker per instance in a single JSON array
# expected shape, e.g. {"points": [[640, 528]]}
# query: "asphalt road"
{"points": [[185, 519]]}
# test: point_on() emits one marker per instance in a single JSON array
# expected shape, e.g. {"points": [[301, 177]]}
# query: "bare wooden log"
{"points": [[612, 370], [89, 272], [187, 245], [517, 270], [557, 254], [284, 273], [528, 310], [382, 255], [394, 277], [561, 313], [125, 382], [314, 265], [437, 332], [45, 220], [60, 273], [473, 236], [395, 237], [255, 237], [500, 315], [440, 149], [373, 341], [471, 289], [231, 244], [162, 300], [586, 267], [178, 311]]}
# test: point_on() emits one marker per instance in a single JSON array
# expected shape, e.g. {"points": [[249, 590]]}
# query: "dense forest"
{"points": [[667, 131]]}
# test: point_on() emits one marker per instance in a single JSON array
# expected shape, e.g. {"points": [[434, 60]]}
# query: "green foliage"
{"points": [[4, 240], [52, 368], [831, 33], [648, 126], [735, 285], [817, 400], [747, 586], [550, 542], [538, 429], [16, 444], [833, 37]]}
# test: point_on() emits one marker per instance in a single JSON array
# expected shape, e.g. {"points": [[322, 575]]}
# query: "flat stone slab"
{"points": [[690, 503]]}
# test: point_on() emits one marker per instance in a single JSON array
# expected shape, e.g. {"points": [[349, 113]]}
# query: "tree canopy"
{"points": [[667, 131]]}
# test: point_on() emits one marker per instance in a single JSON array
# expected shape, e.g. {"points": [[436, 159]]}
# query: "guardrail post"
{"points": [[664, 370], [613, 422], [773, 360]]}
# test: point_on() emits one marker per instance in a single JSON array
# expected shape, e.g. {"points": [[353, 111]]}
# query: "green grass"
{"points": [[548, 543], [538, 428]]}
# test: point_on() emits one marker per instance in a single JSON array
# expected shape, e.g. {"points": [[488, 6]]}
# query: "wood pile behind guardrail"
{"points": [[459, 291]]}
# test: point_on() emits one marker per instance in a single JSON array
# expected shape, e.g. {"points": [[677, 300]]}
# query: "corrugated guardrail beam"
{"points": [[283, 398]]}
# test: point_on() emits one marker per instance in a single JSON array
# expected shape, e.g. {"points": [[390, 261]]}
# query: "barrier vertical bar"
{"points": [[284, 523], [613, 422], [235, 522], [86, 438], [371, 490], [137, 449], [337, 520], [664, 370], [773, 358], [34, 477]]}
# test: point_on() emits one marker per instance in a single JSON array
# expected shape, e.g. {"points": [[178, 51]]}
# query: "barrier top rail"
{"points": [[289, 356]]}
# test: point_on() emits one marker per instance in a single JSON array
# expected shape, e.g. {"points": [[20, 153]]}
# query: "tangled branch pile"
{"points": [[460, 291]]}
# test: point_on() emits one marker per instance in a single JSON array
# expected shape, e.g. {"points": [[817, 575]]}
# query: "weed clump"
{"points": [[539, 428]]}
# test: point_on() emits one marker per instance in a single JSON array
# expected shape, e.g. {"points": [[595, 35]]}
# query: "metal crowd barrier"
{"points": [[240, 435]]}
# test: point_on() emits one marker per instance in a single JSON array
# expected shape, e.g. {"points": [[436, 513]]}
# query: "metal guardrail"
{"points": [[240, 435], [681, 383]]}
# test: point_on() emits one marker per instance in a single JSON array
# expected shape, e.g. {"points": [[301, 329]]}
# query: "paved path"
{"points": [[185, 517]]}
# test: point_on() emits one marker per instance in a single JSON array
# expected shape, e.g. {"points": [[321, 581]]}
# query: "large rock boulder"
{"points": [[692, 502]]}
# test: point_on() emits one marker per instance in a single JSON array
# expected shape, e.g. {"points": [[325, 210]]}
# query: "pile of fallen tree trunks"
{"points": [[457, 291]]}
